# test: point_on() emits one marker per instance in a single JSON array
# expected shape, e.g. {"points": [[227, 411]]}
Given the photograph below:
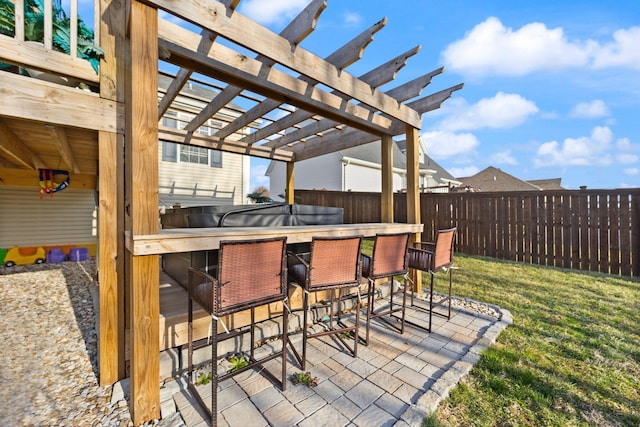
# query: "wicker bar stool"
{"points": [[332, 265], [434, 257], [249, 274], [389, 259]]}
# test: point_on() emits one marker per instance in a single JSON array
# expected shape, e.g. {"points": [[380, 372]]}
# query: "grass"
{"points": [[571, 357]]}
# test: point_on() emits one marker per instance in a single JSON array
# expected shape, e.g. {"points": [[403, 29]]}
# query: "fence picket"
{"points": [[596, 230]]}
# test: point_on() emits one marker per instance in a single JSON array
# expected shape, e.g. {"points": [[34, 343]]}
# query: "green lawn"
{"points": [[571, 357]]}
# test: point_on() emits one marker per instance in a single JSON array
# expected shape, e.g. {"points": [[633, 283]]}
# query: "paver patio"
{"points": [[395, 381]]}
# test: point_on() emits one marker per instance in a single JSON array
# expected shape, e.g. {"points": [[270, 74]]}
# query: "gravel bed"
{"points": [[50, 349]]}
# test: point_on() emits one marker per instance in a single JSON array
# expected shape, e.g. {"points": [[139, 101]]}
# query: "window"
{"points": [[172, 152], [216, 158], [191, 154]]}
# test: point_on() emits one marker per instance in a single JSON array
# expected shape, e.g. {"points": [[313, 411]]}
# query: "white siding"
{"points": [[329, 172], [70, 216], [359, 177], [227, 180], [319, 173]]}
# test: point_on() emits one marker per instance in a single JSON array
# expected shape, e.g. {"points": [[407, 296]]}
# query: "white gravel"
{"points": [[48, 369]]}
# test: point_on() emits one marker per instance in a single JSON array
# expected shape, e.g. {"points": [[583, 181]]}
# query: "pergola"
{"points": [[111, 140]]}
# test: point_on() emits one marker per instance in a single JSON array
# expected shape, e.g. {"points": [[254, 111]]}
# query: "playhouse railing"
{"points": [[61, 45]]}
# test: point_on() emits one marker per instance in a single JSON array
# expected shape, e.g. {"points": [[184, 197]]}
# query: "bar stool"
{"points": [[434, 257], [249, 274], [389, 259], [331, 265]]}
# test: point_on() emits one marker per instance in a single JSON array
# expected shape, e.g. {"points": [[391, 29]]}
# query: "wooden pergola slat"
{"points": [[228, 66], [346, 138], [179, 136], [183, 74], [402, 93], [376, 77], [341, 58], [295, 32], [249, 34]]}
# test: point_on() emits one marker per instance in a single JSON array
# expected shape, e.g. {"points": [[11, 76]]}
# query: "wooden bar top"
{"points": [[174, 240]]}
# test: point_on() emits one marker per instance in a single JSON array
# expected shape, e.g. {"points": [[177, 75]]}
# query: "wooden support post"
{"points": [[142, 176], [289, 191], [386, 207], [111, 199], [111, 257], [413, 194]]}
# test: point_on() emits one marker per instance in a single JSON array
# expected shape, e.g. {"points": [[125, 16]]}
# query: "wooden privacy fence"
{"points": [[593, 230]]}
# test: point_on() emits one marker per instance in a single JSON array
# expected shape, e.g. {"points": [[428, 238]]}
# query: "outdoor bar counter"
{"points": [[197, 239], [173, 296]]}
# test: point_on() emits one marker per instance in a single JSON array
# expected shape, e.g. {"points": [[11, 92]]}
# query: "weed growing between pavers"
{"points": [[304, 378]]}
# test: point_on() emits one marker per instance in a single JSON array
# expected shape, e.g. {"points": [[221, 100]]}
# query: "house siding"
{"points": [[184, 178], [364, 178], [312, 174], [69, 217]]}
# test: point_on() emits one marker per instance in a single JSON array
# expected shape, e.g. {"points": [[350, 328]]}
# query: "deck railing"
{"points": [[52, 46], [593, 230]]}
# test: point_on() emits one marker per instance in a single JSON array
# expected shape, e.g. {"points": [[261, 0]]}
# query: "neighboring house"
{"points": [[358, 169], [547, 184], [494, 179], [196, 176]]}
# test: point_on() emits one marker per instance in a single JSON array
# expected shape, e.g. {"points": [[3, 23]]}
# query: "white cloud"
{"points": [[625, 144], [590, 110], [627, 152], [490, 48], [504, 158], [352, 19], [441, 144], [626, 158], [631, 171], [463, 172], [268, 12], [621, 52], [582, 151], [504, 110]]}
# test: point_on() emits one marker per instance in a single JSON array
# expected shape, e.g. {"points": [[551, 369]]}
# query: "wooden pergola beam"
{"points": [[227, 65], [341, 139], [249, 34], [295, 32], [179, 136], [402, 93], [341, 58], [183, 74], [376, 77]]}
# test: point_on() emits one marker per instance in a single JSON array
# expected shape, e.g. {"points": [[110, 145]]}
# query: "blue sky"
{"points": [[551, 88]]}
